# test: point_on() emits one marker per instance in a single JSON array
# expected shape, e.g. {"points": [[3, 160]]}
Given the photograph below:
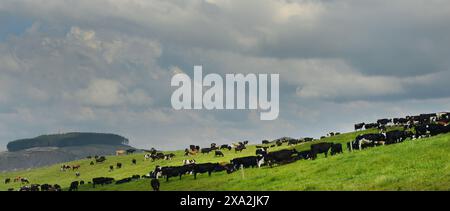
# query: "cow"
{"points": [[336, 149], [218, 153], [24, 180], [239, 148], [213, 146], [396, 136], [74, 186], [367, 140], [279, 157], [91, 163], [123, 181], [371, 126], [308, 139], [187, 162], [320, 148], [155, 184], [133, 161], [75, 167], [46, 187], [7, 180], [100, 159], [204, 168], [77, 174], [304, 155], [101, 181], [245, 162], [384, 121], [205, 150], [169, 156], [111, 168], [81, 182], [157, 156], [265, 142], [172, 171], [225, 146], [359, 126], [118, 165]]}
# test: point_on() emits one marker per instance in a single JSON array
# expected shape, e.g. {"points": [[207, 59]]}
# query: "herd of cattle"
{"points": [[412, 127]]}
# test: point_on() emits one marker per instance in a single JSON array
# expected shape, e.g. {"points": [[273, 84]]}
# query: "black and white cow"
{"points": [[218, 153], [280, 157], [205, 150], [245, 162], [359, 126]]}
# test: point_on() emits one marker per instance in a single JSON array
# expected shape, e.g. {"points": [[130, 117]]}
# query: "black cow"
{"points": [[265, 142], [7, 180], [371, 126], [102, 181], [133, 161], [359, 126], [245, 162], [206, 150], [279, 157], [396, 136], [74, 186], [336, 149], [320, 148], [218, 153], [123, 181], [293, 142], [119, 165], [204, 168], [155, 184], [384, 121], [157, 156]]}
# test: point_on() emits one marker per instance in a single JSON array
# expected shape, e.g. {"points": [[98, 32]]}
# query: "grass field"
{"points": [[412, 165]]}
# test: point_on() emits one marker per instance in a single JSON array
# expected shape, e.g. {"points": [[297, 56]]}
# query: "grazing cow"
{"points": [[100, 159], [133, 161], [157, 156], [239, 148], [24, 180], [206, 150], [75, 167], [46, 187], [265, 142], [305, 155], [336, 149], [111, 168], [81, 182], [218, 153], [204, 168], [155, 184], [396, 136], [187, 162], [359, 126], [57, 187], [147, 156], [367, 140], [320, 148], [245, 162], [213, 146], [74, 186], [77, 174], [186, 152], [279, 157], [91, 163], [101, 181], [123, 181], [119, 165], [400, 121], [225, 146], [7, 180], [169, 156]]}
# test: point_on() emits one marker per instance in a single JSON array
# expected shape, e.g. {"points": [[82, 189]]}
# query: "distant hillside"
{"points": [[67, 140]]}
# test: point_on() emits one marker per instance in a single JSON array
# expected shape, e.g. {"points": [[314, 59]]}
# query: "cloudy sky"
{"points": [[106, 65]]}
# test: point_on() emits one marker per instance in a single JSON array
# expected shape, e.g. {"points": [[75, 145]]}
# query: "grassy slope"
{"points": [[412, 165]]}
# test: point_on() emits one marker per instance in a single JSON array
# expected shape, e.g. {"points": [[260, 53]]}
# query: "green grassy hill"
{"points": [[412, 165]]}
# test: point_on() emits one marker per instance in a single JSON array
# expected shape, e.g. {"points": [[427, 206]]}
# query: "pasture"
{"points": [[422, 164]]}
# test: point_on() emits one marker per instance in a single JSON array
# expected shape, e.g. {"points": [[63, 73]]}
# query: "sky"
{"points": [[106, 65]]}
